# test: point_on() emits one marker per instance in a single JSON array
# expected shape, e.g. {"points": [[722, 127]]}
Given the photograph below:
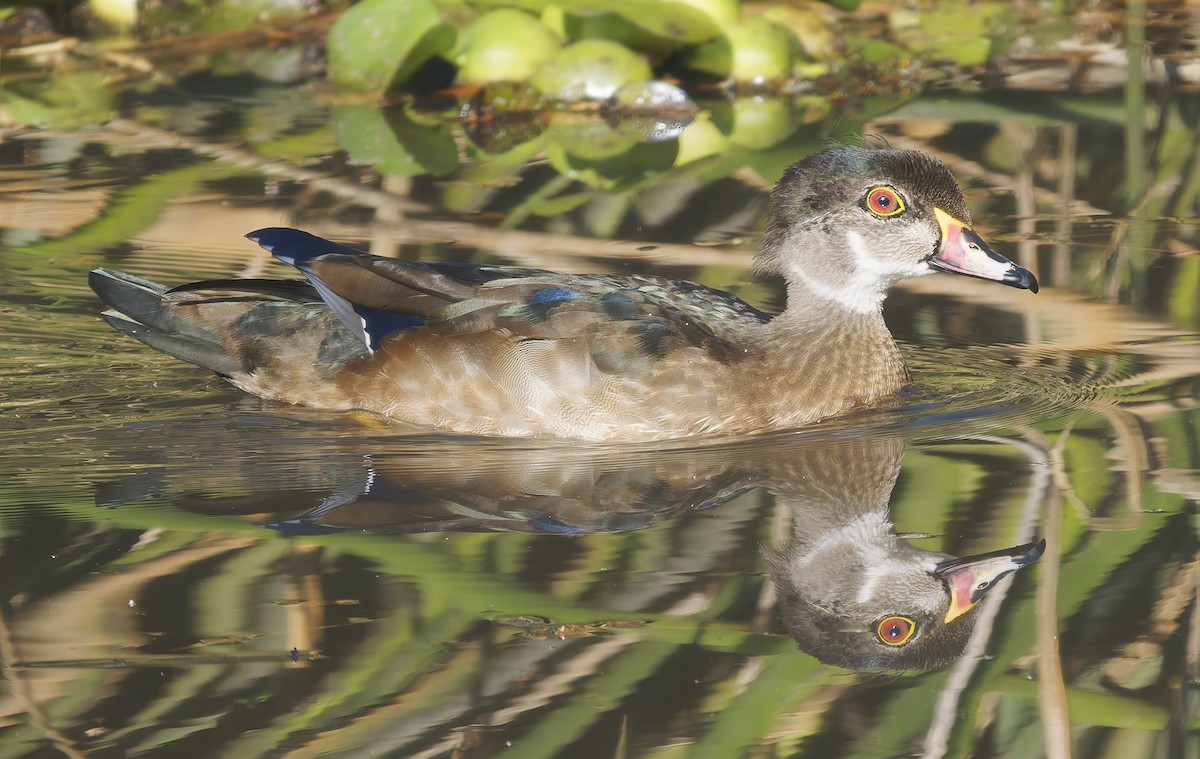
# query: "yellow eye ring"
{"points": [[884, 202], [895, 631]]}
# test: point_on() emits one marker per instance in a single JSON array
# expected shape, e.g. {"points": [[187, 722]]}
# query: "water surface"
{"points": [[184, 568]]}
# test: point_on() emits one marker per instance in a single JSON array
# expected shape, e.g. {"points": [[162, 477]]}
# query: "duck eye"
{"points": [[895, 631], [884, 202]]}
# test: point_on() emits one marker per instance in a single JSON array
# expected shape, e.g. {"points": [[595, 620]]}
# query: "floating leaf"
{"points": [[650, 111], [120, 14], [815, 33], [674, 20], [503, 115], [504, 45], [759, 123], [755, 50], [590, 70], [379, 43], [699, 140], [683, 22], [433, 145], [876, 51], [560, 205], [392, 142], [960, 32], [615, 28], [587, 138], [504, 132]]}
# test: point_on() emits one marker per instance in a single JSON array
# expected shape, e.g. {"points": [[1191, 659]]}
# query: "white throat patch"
{"points": [[868, 284]]}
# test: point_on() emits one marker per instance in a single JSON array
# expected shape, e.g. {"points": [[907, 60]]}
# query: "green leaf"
{"points": [[677, 21], [134, 209], [504, 45], [560, 205], [392, 142], [751, 50], [432, 144], [362, 131], [65, 101], [380, 43], [960, 32]]}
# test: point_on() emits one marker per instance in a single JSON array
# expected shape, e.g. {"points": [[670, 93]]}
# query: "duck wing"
{"points": [[627, 319]]}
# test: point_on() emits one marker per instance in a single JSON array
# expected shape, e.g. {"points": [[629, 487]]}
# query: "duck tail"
{"points": [[148, 311]]}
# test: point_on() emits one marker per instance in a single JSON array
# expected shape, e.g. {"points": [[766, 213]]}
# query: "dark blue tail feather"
{"points": [[295, 247]]}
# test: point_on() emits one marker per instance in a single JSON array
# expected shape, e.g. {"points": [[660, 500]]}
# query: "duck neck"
{"points": [[835, 357]]}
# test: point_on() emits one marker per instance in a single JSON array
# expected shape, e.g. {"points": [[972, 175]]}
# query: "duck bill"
{"points": [[970, 578], [964, 252]]}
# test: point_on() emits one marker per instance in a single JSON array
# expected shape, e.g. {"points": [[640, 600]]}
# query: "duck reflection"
{"points": [[850, 590]]}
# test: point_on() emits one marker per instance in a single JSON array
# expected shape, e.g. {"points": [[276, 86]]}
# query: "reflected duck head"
{"points": [[884, 605], [850, 221]]}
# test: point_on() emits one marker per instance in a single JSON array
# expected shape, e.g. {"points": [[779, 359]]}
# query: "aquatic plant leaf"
{"points": [[504, 45], [756, 49], [298, 147], [590, 70], [377, 44], [392, 142], [676, 21], [65, 101], [650, 111], [433, 145], [134, 209], [673, 20], [560, 205], [816, 35], [962, 33]]}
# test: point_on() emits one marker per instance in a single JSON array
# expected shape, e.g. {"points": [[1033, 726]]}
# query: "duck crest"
{"points": [[499, 350]]}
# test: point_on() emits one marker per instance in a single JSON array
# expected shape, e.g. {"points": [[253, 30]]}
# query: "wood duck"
{"points": [[506, 351], [851, 591]]}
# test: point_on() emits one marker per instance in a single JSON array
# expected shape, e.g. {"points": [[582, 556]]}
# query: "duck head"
{"points": [[850, 590], [848, 222], [866, 599]]}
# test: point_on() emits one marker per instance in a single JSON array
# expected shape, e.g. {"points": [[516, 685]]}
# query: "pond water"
{"points": [[186, 568]]}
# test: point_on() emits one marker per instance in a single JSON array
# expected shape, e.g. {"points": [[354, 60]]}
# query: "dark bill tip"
{"points": [[1022, 556], [1021, 277]]}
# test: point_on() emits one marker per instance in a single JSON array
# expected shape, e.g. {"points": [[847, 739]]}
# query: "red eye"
{"points": [[884, 201], [895, 631]]}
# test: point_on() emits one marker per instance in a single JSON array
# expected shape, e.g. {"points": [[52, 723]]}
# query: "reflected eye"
{"points": [[884, 202], [895, 631]]}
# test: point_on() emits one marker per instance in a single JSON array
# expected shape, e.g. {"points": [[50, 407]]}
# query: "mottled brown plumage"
{"points": [[495, 350]]}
